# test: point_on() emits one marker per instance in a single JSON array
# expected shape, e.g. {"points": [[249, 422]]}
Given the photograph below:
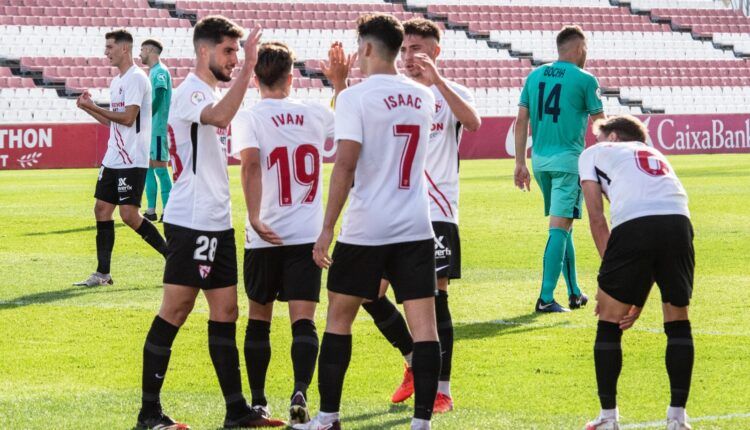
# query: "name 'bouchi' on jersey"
{"points": [[128, 147], [290, 136], [200, 196], [442, 157], [637, 179], [390, 116]]}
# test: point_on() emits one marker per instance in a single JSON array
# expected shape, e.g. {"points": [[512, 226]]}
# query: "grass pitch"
{"points": [[71, 357]]}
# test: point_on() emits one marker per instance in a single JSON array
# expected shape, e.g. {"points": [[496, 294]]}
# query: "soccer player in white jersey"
{"points": [[453, 113], [280, 141], [198, 224], [651, 241], [382, 132], [123, 171]]}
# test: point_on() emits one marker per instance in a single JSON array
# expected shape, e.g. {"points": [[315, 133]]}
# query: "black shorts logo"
{"points": [[441, 251], [205, 251], [123, 186]]}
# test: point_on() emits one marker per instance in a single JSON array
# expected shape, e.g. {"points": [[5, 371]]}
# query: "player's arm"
{"points": [[592, 193], [220, 114], [342, 179], [337, 68], [159, 100], [521, 175], [461, 108], [252, 186], [96, 116], [126, 118], [597, 116]]}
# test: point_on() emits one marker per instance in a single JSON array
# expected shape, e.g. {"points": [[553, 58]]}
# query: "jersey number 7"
{"points": [[411, 132], [306, 166]]}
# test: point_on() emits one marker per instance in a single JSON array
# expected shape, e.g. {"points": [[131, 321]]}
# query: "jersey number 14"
{"points": [[550, 106]]}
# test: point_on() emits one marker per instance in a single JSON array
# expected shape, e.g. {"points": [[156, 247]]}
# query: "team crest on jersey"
{"points": [[197, 97], [120, 91], [438, 106], [204, 270]]}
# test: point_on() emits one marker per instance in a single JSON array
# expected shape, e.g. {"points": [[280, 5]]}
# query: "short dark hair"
{"points": [[422, 27], [627, 127], [275, 62], [215, 28], [120, 35], [155, 43], [568, 33], [383, 27]]}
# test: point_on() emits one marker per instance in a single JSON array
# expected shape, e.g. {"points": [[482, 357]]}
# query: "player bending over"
{"points": [[651, 241]]}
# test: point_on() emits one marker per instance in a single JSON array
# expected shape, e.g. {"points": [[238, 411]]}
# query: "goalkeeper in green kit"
{"points": [[558, 99], [161, 83]]}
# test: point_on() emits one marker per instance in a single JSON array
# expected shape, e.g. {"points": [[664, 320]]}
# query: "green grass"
{"points": [[70, 358]]}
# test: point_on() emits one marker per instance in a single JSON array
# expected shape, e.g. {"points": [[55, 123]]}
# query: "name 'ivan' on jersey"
{"points": [[390, 116], [128, 147], [200, 196], [637, 179], [442, 157], [290, 136]]}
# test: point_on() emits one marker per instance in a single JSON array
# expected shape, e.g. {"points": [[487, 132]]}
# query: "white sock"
{"points": [[677, 414], [407, 358], [418, 424], [444, 387], [610, 414], [327, 417], [151, 211]]}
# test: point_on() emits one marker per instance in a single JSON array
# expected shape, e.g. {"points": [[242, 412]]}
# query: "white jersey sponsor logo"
{"points": [[129, 146], [290, 136]]}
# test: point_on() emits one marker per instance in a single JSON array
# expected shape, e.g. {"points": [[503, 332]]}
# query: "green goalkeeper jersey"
{"points": [[560, 97], [160, 79]]}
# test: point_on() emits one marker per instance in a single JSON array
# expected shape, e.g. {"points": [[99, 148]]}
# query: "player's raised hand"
{"points": [[339, 65], [265, 232], [628, 320], [427, 68], [522, 178], [251, 47], [84, 100], [320, 250]]}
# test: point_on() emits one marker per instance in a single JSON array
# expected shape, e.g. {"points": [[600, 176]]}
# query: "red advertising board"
{"points": [[49, 146]]}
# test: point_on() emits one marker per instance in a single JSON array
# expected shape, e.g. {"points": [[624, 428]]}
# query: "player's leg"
{"points": [[392, 326], [674, 274], [570, 196], [625, 280], [177, 302], [159, 164], [151, 191], [354, 276], [300, 287], [411, 269], [105, 196], [130, 202]]}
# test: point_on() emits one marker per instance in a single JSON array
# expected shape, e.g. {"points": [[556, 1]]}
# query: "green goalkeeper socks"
{"points": [[553, 262]]}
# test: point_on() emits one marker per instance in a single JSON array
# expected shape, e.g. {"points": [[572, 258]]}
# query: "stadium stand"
{"points": [[672, 56]]}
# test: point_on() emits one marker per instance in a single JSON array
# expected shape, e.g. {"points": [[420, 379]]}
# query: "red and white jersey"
{"points": [[199, 199], [442, 156], [129, 146], [390, 115], [290, 136], [637, 179]]}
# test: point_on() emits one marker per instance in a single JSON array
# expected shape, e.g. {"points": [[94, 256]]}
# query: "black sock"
{"points": [[680, 355], [426, 367], [335, 354], [304, 354], [156, 352], [226, 360], [390, 322], [445, 334], [105, 241], [151, 235], [608, 362], [257, 358]]}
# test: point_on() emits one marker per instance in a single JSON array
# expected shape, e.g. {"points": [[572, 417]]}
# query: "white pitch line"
{"points": [[661, 423]]}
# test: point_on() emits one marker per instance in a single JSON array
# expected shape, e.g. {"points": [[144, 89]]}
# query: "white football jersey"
{"points": [[442, 156], [290, 136], [637, 179], [129, 146], [199, 199], [390, 115]]}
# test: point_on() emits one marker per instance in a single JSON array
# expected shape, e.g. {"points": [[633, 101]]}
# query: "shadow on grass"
{"points": [[516, 325], [68, 231], [55, 296]]}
